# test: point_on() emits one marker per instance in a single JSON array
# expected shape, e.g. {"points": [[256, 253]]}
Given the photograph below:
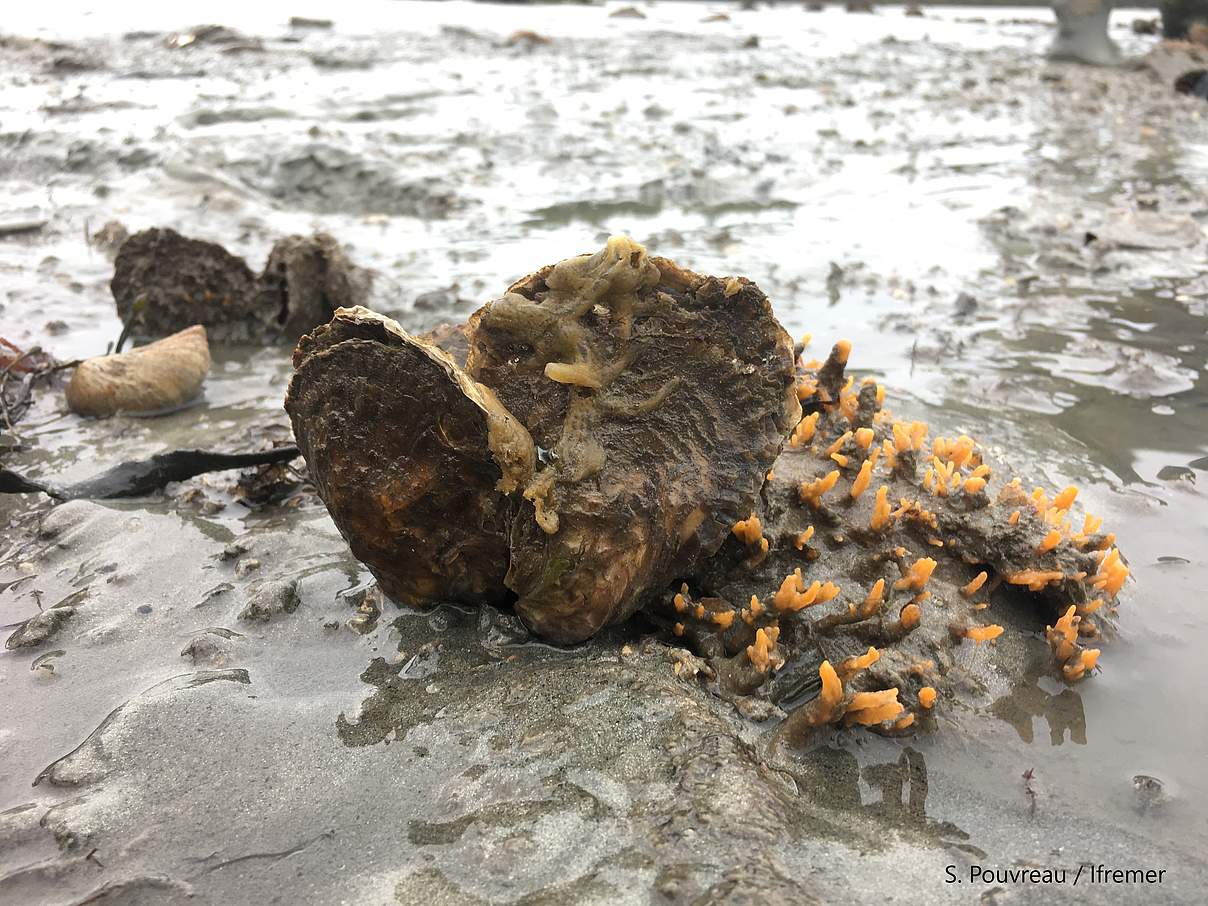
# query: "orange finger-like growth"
{"points": [[910, 616], [748, 530], [927, 697], [918, 574], [864, 437], [1051, 540], [861, 662], [1035, 579], [822, 710], [978, 581], [873, 602], [1112, 573], [880, 509], [760, 653], [1065, 499], [812, 492], [1075, 670], [860, 485], [869, 708], [804, 432], [981, 634], [838, 444], [1063, 634], [724, 619]]}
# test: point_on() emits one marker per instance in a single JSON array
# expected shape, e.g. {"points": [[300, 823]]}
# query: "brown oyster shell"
{"points": [[413, 459]]}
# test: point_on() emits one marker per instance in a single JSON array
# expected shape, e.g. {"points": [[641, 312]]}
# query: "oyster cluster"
{"points": [[617, 433], [615, 416], [164, 282]]}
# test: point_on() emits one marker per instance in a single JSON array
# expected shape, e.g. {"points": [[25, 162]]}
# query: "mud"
{"points": [[447, 755]]}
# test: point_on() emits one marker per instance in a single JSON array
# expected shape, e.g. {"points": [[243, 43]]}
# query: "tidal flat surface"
{"points": [[1014, 247]]}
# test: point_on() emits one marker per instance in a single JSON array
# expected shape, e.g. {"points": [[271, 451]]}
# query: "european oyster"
{"points": [[414, 460], [657, 400], [663, 398], [163, 282]]}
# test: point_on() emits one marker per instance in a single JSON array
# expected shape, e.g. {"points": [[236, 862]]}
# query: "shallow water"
{"points": [[942, 178]]}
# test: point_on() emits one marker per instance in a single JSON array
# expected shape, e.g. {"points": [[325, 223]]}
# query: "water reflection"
{"points": [[894, 792]]}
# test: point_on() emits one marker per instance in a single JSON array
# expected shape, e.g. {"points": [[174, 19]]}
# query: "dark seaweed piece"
{"points": [[140, 477]]}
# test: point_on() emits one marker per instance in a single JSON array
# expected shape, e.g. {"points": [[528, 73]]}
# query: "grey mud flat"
{"points": [[1014, 248]]}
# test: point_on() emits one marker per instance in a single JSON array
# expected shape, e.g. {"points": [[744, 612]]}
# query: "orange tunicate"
{"points": [[981, 634], [748, 530], [880, 509], [918, 574], [812, 492], [1065, 499], [927, 697], [1051, 540], [978, 581], [870, 708], [838, 444], [860, 485], [804, 432]]}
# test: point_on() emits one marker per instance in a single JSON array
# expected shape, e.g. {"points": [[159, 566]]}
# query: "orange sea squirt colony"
{"points": [[844, 424]]}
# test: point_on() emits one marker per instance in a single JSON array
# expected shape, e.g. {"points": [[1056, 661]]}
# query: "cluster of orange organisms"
{"points": [[846, 426], [879, 709], [1075, 660]]}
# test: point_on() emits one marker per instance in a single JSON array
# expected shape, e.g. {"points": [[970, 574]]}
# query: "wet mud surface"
{"points": [[216, 705]]}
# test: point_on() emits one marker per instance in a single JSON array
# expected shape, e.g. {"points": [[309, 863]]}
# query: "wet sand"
{"points": [[926, 187]]}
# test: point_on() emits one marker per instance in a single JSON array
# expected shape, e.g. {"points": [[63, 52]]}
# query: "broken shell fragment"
{"points": [[414, 460], [159, 376]]}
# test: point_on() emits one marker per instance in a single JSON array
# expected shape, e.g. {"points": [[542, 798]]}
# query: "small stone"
{"points": [[271, 599], [40, 628]]}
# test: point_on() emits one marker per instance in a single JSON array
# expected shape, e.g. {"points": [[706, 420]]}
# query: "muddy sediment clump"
{"points": [[654, 400], [626, 434], [164, 282]]}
